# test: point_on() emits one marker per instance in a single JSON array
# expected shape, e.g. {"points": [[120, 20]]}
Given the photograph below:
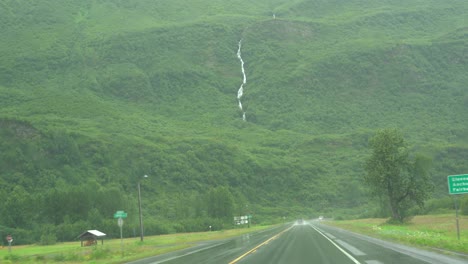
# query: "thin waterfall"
{"points": [[240, 92]]}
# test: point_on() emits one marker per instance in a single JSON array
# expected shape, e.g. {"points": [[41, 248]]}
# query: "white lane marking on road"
{"points": [[330, 235], [188, 253], [373, 262], [338, 247], [353, 250]]}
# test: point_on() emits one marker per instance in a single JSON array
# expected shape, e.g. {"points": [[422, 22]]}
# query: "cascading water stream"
{"points": [[240, 92]]}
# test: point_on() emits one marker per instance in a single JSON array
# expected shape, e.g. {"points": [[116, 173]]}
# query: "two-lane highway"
{"points": [[300, 244], [316, 243]]}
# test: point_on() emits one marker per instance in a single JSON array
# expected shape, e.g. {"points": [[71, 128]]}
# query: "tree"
{"points": [[400, 180], [18, 208], [220, 203]]}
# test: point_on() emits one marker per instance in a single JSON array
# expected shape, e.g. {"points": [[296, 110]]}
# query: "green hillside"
{"points": [[96, 93]]}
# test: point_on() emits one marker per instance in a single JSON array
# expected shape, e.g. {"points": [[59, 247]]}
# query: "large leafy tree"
{"points": [[397, 178], [220, 203]]}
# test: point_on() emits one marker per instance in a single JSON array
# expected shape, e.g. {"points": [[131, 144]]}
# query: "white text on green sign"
{"points": [[120, 214], [458, 184]]}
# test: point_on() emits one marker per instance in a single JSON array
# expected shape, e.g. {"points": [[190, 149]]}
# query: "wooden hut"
{"points": [[91, 237]]}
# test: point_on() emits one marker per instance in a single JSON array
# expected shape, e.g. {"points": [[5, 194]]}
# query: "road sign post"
{"points": [[9, 239], [457, 184], [120, 223], [119, 215]]}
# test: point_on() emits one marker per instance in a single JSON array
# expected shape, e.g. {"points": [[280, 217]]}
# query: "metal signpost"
{"points": [[9, 239], [242, 220], [120, 215], [457, 184]]}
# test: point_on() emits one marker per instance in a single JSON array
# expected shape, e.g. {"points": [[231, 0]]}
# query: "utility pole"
{"points": [[139, 209]]}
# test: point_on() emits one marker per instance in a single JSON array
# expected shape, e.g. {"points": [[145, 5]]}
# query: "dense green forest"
{"points": [[94, 94]]}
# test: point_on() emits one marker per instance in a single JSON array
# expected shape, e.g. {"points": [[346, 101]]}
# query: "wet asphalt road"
{"points": [[300, 244]]}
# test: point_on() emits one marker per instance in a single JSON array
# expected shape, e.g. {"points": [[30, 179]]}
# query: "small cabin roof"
{"points": [[95, 233]]}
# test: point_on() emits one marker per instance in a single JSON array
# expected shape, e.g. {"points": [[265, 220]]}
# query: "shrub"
{"points": [[12, 258], [59, 258], [464, 206], [155, 227], [74, 257], [48, 239], [99, 253]]}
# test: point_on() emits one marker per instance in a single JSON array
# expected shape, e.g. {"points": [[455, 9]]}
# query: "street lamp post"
{"points": [[139, 209]]}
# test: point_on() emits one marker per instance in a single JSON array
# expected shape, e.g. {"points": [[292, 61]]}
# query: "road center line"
{"points": [[342, 250], [258, 246]]}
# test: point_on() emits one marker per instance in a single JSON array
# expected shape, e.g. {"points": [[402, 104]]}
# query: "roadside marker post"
{"points": [[9, 239], [457, 184], [119, 215]]}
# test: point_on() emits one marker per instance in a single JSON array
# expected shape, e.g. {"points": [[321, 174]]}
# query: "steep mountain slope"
{"points": [[104, 91]]}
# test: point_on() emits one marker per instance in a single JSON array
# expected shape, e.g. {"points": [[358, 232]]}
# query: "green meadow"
{"points": [[433, 232]]}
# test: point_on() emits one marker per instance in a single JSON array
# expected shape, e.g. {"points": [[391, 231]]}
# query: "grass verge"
{"points": [[433, 232]]}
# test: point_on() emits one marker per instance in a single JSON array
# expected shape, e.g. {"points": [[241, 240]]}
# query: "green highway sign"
{"points": [[458, 184], [120, 214]]}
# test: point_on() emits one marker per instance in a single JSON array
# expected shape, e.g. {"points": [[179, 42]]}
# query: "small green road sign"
{"points": [[120, 214], [458, 184]]}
